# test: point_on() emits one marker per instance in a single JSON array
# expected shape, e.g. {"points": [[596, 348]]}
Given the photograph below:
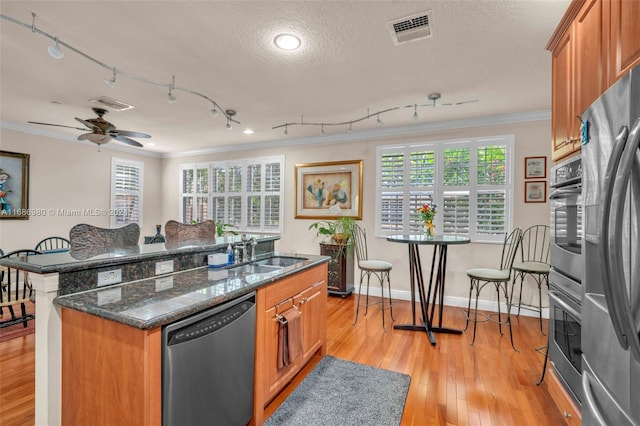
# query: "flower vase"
{"points": [[429, 228]]}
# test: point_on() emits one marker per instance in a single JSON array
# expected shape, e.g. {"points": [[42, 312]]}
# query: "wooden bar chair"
{"points": [[16, 290], [53, 244]]}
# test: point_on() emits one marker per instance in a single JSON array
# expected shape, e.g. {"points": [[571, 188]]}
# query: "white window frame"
{"points": [[115, 162], [438, 198], [243, 193]]}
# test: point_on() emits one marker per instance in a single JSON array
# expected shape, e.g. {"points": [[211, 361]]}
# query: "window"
{"points": [[469, 181], [245, 193], [126, 192]]}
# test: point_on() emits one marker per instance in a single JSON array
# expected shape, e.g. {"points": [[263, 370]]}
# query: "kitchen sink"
{"points": [[280, 261], [252, 268]]}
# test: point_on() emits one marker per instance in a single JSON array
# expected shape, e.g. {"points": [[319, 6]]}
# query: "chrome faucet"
{"points": [[253, 242]]}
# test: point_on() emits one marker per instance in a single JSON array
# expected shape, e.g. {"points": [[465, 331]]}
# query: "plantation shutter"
{"points": [[392, 191], [126, 190]]}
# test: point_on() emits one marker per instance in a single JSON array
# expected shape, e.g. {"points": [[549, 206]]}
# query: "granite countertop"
{"points": [[154, 302], [78, 260]]}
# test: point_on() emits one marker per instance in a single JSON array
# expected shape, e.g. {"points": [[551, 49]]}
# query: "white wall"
{"points": [[531, 139], [71, 176]]}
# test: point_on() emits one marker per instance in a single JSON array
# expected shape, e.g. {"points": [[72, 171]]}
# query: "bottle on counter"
{"points": [[230, 257], [236, 255]]}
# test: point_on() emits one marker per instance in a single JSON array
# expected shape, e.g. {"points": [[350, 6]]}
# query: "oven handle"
{"points": [[559, 193], [562, 304], [617, 281], [603, 235]]}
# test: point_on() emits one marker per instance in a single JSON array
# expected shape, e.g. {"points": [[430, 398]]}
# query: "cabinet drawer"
{"points": [[294, 284]]}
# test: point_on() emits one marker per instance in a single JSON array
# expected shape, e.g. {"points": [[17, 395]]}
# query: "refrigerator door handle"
{"points": [[604, 233], [620, 297], [590, 401]]}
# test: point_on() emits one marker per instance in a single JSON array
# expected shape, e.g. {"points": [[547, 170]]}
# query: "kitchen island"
{"points": [[60, 274]]}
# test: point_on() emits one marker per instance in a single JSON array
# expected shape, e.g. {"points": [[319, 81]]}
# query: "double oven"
{"points": [[565, 277]]}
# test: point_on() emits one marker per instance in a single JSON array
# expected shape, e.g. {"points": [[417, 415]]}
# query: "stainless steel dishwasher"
{"points": [[207, 366]]}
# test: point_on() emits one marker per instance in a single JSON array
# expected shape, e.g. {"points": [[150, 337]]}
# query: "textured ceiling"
{"points": [[348, 65]]}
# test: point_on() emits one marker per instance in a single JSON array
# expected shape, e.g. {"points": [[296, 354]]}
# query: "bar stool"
{"points": [[500, 278], [368, 267], [533, 262]]}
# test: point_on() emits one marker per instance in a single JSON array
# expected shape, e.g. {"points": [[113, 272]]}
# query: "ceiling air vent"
{"points": [[411, 28], [112, 104]]}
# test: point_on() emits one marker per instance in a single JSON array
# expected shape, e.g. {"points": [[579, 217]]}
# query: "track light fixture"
{"points": [[286, 131], [111, 82], [214, 111], [56, 52], [170, 97], [432, 97]]}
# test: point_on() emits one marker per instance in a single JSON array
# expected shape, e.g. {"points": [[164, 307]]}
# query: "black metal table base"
{"points": [[436, 290]]}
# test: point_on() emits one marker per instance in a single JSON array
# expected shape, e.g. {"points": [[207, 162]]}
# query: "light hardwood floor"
{"points": [[452, 383]]}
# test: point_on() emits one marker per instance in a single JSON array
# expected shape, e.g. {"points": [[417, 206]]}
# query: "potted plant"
{"points": [[339, 231]]}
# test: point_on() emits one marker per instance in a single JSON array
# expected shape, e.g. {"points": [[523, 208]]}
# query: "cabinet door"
{"points": [[590, 60], [276, 378], [625, 37], [561, 97], [312, 302]]}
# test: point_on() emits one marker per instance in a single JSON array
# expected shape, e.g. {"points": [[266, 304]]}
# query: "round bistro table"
{"points": [[436, 289]]}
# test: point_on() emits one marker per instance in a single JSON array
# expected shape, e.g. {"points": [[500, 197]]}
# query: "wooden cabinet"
{"points": [[624, 53], [306, 291], [111, 373], [596, 42], [340, 278]]}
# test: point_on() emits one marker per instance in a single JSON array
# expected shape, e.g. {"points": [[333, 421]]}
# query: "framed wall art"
{"points": [[14, 185], [535, 191], [328, 190], [535, 167]]}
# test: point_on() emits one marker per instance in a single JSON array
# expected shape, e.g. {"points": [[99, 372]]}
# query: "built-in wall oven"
{"points": [[565, 277]]}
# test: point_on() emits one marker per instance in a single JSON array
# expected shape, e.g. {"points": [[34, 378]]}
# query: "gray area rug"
{"points": [[339, 392]]}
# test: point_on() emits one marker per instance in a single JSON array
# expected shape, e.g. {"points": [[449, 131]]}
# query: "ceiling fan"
{"points": [[100, 131]]}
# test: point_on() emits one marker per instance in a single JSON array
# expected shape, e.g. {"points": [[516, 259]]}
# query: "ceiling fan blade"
{"points": [[88, 124], [118, 132], [57, 125], [128, 141]]}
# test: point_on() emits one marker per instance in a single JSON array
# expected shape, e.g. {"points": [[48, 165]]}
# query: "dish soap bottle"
{"points": [[229, 255]]}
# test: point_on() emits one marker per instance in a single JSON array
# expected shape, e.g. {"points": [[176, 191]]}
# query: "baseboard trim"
{"points": [[460, 302]]}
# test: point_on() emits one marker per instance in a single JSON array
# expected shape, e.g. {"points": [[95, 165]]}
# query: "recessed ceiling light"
{"points": [[247, 131], [287, 41]]}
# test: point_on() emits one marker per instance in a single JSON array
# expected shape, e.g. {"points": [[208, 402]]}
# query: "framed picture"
{"points": [[535, 167], [535, 191], [327, 190], [14, 185]]}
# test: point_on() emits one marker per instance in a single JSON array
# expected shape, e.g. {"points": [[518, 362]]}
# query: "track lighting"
{"points": [[55, 51], [286, 131], [111, 83], [432, 97], [170, 98], [228, 124]]}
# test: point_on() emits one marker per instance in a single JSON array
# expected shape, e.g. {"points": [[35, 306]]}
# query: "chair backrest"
{"points": [[176, 232], [360, 243], [510, 248], [53, 244], [92, 239], [535, 244], [13, 292]]}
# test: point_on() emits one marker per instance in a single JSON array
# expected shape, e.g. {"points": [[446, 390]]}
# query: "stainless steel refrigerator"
{"points": [[611, 286]]}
